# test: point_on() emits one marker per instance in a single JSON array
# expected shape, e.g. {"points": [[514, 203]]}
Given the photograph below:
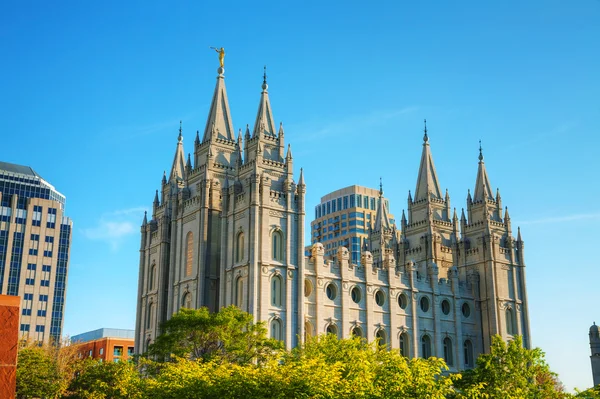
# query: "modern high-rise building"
{"points": [[344, 218], [35, 237], [228, 229]]}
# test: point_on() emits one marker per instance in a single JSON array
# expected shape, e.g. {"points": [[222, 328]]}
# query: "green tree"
{"points": [[103, 380], [591, 393], [510, 371], [229, 334], [37, 374]]}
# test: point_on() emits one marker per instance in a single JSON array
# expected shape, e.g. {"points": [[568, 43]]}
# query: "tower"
{"points": [[595, 349], [227, 229]]}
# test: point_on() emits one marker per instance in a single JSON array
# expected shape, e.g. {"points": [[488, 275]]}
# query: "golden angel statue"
{"points": [[221, 52]]}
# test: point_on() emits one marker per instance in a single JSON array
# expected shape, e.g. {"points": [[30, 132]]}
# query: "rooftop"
{"points": [[103, 333]]}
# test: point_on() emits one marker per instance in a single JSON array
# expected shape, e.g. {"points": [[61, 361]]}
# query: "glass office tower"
{"points": [[35, 238]]}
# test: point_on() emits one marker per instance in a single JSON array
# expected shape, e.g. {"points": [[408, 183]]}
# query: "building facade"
{"points": [[228, 229], [595, 355], [35, 238], [105, 344], [344, 217]]}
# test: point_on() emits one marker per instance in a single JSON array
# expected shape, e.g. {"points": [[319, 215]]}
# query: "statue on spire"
{"points": [[221, 52]]}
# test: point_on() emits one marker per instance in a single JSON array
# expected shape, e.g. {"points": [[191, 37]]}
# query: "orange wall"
{"points": [[108, 348], [9, 337]]}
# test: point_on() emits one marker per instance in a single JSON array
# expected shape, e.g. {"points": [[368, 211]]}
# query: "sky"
{"points": [[91, 95]]}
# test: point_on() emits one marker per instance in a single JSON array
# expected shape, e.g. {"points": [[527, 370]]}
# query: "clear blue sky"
{"points": [[91, 94]]}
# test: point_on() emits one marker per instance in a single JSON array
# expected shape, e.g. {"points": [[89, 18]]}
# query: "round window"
{"points": [[307, 287], [331, 291], [379, 297], [355, 294], [445, 307], [466, 310], [402, 301], [424, 304]]}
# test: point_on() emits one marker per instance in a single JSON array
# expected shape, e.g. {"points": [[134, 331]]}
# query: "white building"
{"points": [[229, 229]]}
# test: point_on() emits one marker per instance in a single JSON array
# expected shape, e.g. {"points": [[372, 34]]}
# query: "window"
{"points": [[239, 248], [149, 316], [445, 307], [26, 312], [277, 245], [189, 254], [29, 297], [510, 322], [380, 336], [424, 304], [102, 351], [130, 351], [118, 351], [276, 329], [402, 301], [425, 346], [40, 328], [466, 310], [45, 283], [45, 268], [186, 301], [331, 329], [29, 281], [356, 332], [25, 327], [31, 266], [331, 291], [380, 298], [468, 351], [41, 313], [404, 344], [448, 357], [308, 330], [307, 288], [276, 291], [152, 276], [239, 292], [356, 295]]}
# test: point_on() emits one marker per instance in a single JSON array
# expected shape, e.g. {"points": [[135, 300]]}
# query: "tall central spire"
{"points": [[381, 218], [264, 117], [427, 181], [219, 115], [178, 167], [483, 188]]}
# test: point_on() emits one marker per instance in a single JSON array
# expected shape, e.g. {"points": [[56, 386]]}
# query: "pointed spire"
{"points": [[301, 178], [463, 218], [197, 140], [156, 202], [178, 167], [469, 199], [409, 196], [404, 223], [145, 221], [164, 178], [506, 215], [519, 239], [483, 189], [281, 133], [455, 216], [264, 117], [427, 181], [219, 115], [188, 165], [247, 132], [382, 221]]}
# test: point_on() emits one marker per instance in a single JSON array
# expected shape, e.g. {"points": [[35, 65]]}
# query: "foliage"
{"points": [[510, 371], [592, 393], [45, 370], [103, 380], [230, 335]]}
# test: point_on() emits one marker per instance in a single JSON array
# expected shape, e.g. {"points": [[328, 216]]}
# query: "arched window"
{"points": [[468, 349], [404, 344], [425, 346], [332, 329], [308, 331], [307, 288], [276, 329], [402, 301], [186, 301], [277, 245], [189, 254], [356, 332], [150, 315], [239, 292], [510, 322], [148, 342], [380, 336], [239, 247], [356, 295], [276, 291], [152, 277], [448, 358]]}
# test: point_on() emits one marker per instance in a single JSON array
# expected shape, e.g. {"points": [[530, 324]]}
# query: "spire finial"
{"points": [[265, 86], [425, 137], [180, 136], [480, 152], [380, 187]]}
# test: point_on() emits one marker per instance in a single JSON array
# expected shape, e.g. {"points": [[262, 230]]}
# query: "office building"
{"points": [[105, 344], [35, 237]]}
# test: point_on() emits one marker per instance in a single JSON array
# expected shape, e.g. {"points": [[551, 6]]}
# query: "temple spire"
{"points": [[219, 116], [427, 181], [483, 188], [178, 167], [264, 117], [382, 221]]}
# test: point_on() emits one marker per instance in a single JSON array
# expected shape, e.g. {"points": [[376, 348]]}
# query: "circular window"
{"points": [[402, 301], [466, 310], [331, 291], [379, 297], [332, 329], [307, 287], [445, 307], [424, 304], [355, 294]]}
